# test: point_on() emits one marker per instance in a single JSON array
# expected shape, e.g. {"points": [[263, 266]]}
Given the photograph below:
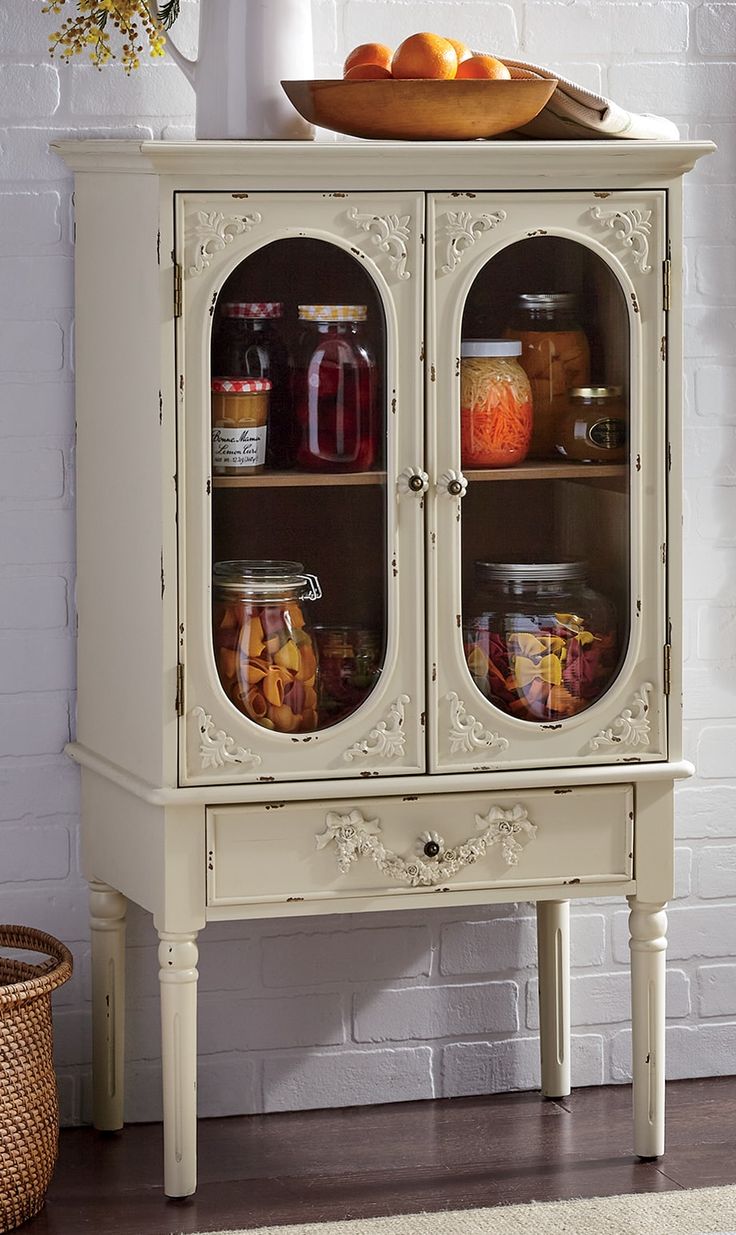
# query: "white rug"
{"points": [[702, 1211]]}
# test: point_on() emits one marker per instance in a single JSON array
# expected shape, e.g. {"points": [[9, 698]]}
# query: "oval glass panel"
{"points": [[299, 543], [544, 434]]}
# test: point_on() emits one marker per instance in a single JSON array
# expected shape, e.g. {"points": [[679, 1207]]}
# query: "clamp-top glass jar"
{"points": [[335, 390], [555, 356], [541, 643], [264, 650]]}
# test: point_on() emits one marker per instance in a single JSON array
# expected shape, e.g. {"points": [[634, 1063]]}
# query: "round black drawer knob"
{"points": [[431, 849]]}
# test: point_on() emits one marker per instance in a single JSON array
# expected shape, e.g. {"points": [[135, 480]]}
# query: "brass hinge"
{"points": [[180, 690], [667, 285], [177, 289], [667, 668]]}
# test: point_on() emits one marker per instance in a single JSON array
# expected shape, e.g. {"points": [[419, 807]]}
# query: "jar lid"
{"points": [[240, 385], [490, 347], [333, 312], [595, 392], [253, 308], [538, 572], [266, 577], [547, 300]]}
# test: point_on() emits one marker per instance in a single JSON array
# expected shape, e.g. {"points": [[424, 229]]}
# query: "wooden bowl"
{"points": [[419, 110]]}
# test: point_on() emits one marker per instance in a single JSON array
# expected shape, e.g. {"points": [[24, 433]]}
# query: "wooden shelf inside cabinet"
{"points": [[294, 480], [544, 469]]}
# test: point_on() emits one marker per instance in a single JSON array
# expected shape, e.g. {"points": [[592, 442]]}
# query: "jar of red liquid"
{"points": [[335, 390]]}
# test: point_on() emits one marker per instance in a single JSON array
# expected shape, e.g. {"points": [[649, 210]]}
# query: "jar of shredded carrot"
{"points": [[495, 404]]}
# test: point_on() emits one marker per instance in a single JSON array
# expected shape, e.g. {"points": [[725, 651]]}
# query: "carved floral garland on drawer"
{"points": [[355, 837]]}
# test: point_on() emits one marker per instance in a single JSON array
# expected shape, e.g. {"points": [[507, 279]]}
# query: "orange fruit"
{"points": [[366, 72], [487, 67], [425, 55], [368, 53], [462, 50]]}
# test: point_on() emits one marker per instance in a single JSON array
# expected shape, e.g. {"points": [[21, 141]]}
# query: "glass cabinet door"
{"points": [[547, 422], [303, 643]]}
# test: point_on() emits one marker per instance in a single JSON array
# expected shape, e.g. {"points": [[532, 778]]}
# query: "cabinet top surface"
{"points": [[407, 164]]}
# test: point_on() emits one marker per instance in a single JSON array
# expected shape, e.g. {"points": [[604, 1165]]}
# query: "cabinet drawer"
{"points": [[399, 846]]}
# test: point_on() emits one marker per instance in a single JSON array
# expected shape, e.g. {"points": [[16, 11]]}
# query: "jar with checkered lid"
{"points": [[248, 341], [239, 425], [335, 390]]}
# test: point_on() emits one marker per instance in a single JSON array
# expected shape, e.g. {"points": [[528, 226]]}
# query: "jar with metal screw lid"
{"points": [[555, 356], [495, 404], [594, 428], [540, 642]]}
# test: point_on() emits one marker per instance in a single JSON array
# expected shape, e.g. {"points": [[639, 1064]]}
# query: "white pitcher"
{"points": [[245, 49]]}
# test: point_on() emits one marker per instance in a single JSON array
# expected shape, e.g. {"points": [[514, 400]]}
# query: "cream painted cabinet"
{"points": [[347, 511], [378, 539]]}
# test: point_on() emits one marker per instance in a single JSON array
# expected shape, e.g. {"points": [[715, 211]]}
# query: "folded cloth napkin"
{"points": [[574, 112]]}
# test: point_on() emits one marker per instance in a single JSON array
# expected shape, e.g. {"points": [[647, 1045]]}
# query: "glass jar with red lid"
{"points": [[335, 390], [248, 343]]}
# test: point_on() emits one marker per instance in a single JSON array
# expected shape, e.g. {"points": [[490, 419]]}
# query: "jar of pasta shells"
{"points": [[265, 653], [540, 642]]}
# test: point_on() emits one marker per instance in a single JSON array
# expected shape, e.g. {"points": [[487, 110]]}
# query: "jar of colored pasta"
{"points": [[495, 404], [540, 642], [264, 650]]}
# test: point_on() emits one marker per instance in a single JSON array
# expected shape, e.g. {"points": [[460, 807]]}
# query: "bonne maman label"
{"points": [[238, 448]]}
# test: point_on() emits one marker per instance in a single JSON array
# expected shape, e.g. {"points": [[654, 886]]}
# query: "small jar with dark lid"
{"points": [[595, 426]]}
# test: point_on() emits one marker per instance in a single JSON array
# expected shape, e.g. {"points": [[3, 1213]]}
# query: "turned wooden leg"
{"points": [[648, 943], [553, 946], [107, 921], [177, 955]]}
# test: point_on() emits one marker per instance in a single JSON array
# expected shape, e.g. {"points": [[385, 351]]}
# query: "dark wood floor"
{"points": [[367, 1161]]}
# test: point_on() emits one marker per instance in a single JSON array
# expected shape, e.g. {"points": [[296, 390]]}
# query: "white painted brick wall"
{"points": [[354, 1010]]}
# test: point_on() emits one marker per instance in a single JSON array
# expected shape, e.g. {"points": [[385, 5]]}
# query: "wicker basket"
{"points": [[29, 1111]]}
